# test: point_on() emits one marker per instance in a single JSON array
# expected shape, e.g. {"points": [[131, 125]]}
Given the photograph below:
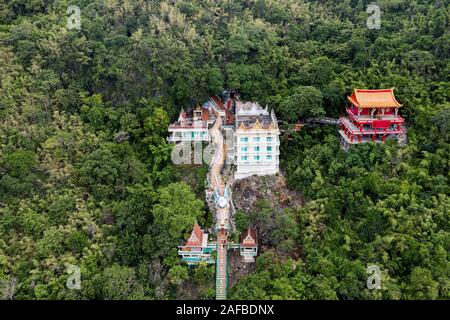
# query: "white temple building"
{"points": [[193, 128], [252, 134], [256, 143]]}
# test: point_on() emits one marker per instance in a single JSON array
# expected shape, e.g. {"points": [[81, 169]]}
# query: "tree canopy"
{"points": [[86, 177]]}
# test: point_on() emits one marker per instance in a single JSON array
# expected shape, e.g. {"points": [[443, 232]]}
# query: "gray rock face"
{"points": [[247, 192]]}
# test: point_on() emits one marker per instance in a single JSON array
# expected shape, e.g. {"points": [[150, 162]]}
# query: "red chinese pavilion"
{"points": [[372, 116]]}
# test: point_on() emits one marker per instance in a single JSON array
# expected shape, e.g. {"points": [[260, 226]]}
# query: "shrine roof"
{"points": [[218, 102], [248, 238], [196, 238], [205, 114], [264, 122], [381, 98]]}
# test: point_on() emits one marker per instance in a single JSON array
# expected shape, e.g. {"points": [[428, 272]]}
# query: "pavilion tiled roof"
{"points": [[382, 98], [196, 238], [248, 238], [205, 114], [218, 102], [255, 122]]}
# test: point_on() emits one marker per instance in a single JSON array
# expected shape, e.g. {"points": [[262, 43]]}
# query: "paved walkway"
{"points": [[221, 266], [218, 159], [222, 211]]}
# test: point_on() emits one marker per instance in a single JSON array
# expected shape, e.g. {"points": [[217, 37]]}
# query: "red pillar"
{"points": [[360, 138], [384, 138], [373, 137]]}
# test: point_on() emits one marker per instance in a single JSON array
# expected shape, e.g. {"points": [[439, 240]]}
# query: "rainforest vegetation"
{"points": [[86, 177]]}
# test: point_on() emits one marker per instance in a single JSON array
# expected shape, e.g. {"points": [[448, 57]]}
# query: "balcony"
{"points": [[353, 129], [251, 162], [188, 136], [368, 119]]}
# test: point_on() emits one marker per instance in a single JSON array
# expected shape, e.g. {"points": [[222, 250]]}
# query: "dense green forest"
{"points": [[85, 172]]}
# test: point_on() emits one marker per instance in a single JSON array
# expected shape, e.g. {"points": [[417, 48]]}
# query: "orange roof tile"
{"points": [[248, 238], [196, 237], [383, 98], [219, 102], [205, 114]]}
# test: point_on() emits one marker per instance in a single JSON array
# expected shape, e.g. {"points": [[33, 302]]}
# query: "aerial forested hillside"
{"points": [[86, 177]]}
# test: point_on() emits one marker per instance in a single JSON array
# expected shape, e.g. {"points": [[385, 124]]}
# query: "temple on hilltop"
{"points": [[372, 117], [246, 135], [256, 142], [196, 248], [255, 147]]}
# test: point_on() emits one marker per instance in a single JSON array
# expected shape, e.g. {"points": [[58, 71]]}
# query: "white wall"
{"points": [[262, 166]]}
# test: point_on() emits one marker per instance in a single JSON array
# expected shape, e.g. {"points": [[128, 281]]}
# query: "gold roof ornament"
{"points": [[241, 127], [272, 127], [257, 125]]}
